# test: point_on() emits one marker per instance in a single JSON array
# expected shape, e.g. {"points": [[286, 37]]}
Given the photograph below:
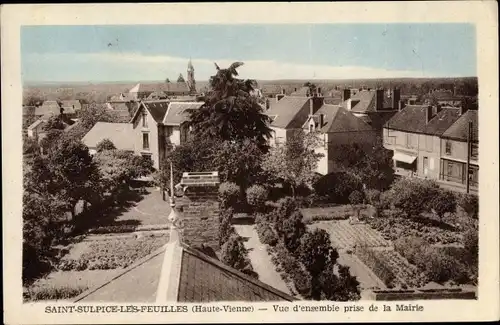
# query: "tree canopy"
{"points": [[230, 111]]}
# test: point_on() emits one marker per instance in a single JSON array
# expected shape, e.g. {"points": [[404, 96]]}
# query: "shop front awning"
{"points": [[403, 157]]}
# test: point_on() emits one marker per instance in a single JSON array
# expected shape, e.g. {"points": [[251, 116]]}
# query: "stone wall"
{"points": [[199, 206]]}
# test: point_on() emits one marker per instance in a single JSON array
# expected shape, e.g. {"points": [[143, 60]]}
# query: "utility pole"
{"points": [[469, 149]]}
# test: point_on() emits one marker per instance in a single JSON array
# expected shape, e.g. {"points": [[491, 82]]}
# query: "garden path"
{"points": [[261, 260]]}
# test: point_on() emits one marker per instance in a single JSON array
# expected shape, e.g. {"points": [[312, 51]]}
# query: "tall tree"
{"points": [[230, 111], [180, 78], [295, 161]]}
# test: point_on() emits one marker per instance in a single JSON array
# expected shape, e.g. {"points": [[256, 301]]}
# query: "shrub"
{"points": [[234, 254], [339, 287], [52, 293], [337, 186], [262, 218], [302, 282], [316, 251], [469, 203], [413, 195], [372, 196], [385, 200], [356, 197], [442, 202], [225, 227], [229, 194], [105, 144], [292, 230], [471, 244], [285, 207], [257, 196], [412, 248], [266, 234]]}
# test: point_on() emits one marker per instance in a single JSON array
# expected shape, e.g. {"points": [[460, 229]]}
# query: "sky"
{"points": [[270, 52]]}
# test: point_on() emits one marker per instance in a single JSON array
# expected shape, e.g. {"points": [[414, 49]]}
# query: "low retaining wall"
{"points": [[422, 294]]}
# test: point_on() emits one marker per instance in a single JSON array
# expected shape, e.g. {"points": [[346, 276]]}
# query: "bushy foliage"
{"points": [[266, 233], [341, 287], [234, 254], [356, 197], [257, 196], [225, 227], [230, 111], [316, 252], [443, 201], [373, 196], [294, 162], [371, 163], [412, 196], [229, 194], [337, 186], [284, 209], [105, 144], [292, 230], [469, 203]]}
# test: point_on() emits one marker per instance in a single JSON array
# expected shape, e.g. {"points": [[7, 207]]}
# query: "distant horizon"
{"points": [[70, 82], [269, 52]]}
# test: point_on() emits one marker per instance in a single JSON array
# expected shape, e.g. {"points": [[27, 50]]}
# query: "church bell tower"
{"points": [[190, 78]]}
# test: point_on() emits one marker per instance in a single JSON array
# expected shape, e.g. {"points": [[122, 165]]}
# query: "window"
{"points": [[144, 120], [447, 149], [428, 143], [145, 141], [474, 151]]}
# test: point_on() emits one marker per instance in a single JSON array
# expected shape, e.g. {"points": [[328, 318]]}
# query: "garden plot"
{"points": [[345, 235], [111, 252]]}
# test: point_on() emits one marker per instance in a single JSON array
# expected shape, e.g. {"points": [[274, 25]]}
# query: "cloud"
{"points": [[114, 66]]}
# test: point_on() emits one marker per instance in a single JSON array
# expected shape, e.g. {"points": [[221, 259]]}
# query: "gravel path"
{"points": [[261, 260]]}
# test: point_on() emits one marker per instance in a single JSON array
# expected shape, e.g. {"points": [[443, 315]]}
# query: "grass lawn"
{"points": [[150, 210], [66, 284]]}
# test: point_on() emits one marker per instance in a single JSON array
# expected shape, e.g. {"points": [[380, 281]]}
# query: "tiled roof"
{"points": [[157, 95], [170, 88], [177, 272], [301, 92], [71, 104], [362, 101], [271, 89], [460, 129], [338, 119], [289, 111], [157, 109], [118, 133], [413, 119], [178, 112], [48, 107]]}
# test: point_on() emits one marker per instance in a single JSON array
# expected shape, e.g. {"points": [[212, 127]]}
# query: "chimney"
{"points": [[199, 204], [295, 89], [379, 99], [346, 94], [282, 91], [319, 91], [428, 114], [401, 105], [321, 120], [396, 96], [311, 107]]}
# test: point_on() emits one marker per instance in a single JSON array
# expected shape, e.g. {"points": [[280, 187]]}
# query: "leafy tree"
{"points": [[317, 255], [294, 162], [229, 195], [92, 114], [470, 204], [105, 144], [257, 196], [341, 287], [230, 111], [75, 175], [312, 87], [412, 196], [237, 162], [167, 81], [180, 78], [356, 197], [373, 165], [337, 186], [443, 201]]}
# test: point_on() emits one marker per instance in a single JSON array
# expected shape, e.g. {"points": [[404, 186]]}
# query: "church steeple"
{"points": [[190, 77]]}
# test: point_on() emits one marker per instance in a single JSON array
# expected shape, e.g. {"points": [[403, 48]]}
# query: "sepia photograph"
{"points": [[261, 162]]}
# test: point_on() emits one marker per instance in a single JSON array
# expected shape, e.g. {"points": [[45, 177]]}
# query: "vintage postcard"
{"points": [[278, 162]]}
